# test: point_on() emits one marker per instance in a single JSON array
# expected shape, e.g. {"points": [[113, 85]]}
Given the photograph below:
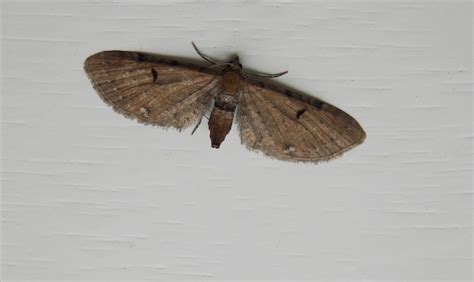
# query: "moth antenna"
{"points": [[206, 58], [265, 75]]}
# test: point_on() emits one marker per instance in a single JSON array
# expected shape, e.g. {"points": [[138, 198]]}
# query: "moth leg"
{"points": [[206, 58], [204, 115], [197, 125], [199, 122]]}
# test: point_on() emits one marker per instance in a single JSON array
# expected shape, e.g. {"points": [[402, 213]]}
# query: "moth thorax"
{"points": [[230, 82]]}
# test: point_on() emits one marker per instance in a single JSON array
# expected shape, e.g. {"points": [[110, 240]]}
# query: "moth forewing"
{"points": [[290, 126], [151, 89]]}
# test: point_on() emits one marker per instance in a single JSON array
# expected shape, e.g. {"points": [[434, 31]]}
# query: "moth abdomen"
{"points": [[225, 104], [219, 124]]}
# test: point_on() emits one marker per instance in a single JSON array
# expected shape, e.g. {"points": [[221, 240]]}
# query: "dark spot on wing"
{"points": [[300, 112], [154, 73], [140, 58], [318, 104], [288, 148]]}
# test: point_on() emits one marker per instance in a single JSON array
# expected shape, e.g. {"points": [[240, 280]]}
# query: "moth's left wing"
{"points": [[293, 127], [152, 89]]}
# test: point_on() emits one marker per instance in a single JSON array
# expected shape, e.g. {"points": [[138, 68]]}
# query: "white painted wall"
{"points": [[88, 194]]}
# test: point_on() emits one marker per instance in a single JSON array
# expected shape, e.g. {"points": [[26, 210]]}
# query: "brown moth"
{"points": [[280, 123]]}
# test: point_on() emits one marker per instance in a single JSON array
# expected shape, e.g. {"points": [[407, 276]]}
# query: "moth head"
{"points": [[235, 65]]}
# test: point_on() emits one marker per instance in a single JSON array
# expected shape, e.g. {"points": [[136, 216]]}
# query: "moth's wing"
{"points": [[152, 89], [289, 126]]}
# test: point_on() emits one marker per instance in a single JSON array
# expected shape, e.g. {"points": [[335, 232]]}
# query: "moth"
{"points": [[283, 124]]}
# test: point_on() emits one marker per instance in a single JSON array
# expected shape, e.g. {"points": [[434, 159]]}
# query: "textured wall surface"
{"points": [[88, 194]]}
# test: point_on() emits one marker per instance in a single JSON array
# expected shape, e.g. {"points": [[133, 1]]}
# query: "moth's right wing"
{"points": [[293, 127], [152, 89]]}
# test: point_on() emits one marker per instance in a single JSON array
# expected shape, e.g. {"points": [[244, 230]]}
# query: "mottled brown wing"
{"points": [[152, 89], [293, 127]]}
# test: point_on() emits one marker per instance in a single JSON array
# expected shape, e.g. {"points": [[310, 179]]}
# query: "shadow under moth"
{"points": [[281, 123]]}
